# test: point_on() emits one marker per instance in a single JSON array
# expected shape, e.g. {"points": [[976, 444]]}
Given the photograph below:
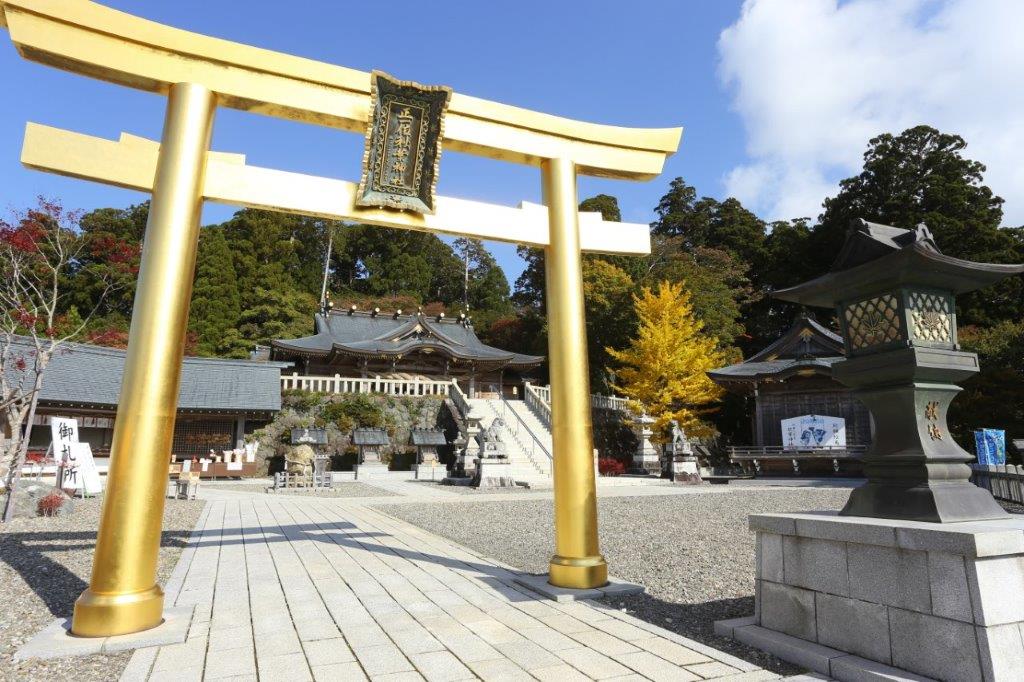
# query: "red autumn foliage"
{"points": [[609, 466], [118, 338], [51, 504], [111, 338]]}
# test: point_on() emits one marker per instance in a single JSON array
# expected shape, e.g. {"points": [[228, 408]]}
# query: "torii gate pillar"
{"points": [[577, 562], [123, 595]]}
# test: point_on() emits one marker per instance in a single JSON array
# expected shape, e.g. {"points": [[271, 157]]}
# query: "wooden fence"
{"points": [[1004, 481]]}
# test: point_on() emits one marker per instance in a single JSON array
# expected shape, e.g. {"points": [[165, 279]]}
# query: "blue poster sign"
{"points": [[990, 445]]}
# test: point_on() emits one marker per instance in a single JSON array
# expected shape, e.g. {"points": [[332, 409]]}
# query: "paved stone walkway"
{"points": [[294, 589]]}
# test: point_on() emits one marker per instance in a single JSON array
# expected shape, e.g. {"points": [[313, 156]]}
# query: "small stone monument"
{"points": [[493, 468], [370, 443], [646, 461], [681, 463], [427, 441]]}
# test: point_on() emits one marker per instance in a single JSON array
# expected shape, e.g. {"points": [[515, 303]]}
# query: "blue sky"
{"points": [[634, 64], [778, 98]]}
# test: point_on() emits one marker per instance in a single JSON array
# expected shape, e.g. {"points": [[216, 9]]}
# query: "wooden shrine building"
{"points": [[355, 343], [792, 378], [219, 403]]}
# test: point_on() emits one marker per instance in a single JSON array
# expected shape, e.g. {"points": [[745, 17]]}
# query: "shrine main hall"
{"points": [[373, 343]]}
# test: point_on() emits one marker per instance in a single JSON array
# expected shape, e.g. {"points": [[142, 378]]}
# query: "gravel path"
{"points": [[692, 552], [348, 489], [352, 489], [470, 490], [45, 564]]}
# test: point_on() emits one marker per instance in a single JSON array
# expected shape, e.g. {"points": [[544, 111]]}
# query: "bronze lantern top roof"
{"points": [[877, 258]]}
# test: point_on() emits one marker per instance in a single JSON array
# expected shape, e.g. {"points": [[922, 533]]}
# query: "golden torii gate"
{"points": [[198, 74]]}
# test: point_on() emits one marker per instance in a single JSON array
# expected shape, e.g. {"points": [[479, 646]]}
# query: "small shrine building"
{"points": [[792, 378], [356, 343], [219, 402]]}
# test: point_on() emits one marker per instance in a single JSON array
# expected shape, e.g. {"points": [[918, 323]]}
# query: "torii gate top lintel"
{"points": [[94, 40]]}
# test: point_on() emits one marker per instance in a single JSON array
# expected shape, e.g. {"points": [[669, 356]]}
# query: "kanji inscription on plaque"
{"points": [[403, 144]]}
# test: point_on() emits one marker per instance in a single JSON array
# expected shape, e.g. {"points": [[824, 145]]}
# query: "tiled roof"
{"points": [[388, 335], [807, 346], [83, 374]]}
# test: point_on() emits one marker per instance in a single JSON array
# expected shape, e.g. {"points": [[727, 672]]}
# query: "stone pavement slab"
{"points": [[315, 589]]}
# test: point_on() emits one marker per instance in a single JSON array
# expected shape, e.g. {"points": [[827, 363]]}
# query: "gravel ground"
{"points": [[45, 564], [693, 553]]}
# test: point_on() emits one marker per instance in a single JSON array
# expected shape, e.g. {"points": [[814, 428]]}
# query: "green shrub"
{"points": [[358, 411], [299, 399], [337, 414]]}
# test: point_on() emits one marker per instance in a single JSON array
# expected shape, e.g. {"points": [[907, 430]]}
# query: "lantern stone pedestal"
{"points": [[860, 598]]}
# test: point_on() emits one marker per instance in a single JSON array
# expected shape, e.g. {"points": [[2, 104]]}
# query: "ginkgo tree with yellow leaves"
{"points": [[663, 370]]}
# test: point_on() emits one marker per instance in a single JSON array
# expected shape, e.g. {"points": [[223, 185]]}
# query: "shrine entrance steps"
{"points": [[527, 440]]}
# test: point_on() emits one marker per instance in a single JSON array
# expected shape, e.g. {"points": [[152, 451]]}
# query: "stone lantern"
{"points": [[646, 460], [893, 292]]}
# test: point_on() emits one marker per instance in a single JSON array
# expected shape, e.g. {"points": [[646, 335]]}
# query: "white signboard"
{"points": [[814, 431], [80, 472], [63, 432]]}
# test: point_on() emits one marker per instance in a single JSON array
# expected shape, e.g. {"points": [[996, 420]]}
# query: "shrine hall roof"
{"points": [[807, 347], [83, 375], [390, 335]]}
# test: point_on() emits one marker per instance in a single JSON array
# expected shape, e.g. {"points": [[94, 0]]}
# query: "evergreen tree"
{"points": [[921, 176], [992, 398], [216, 303], [280, 314], [717, 283], [664, 367], [708, 223]]}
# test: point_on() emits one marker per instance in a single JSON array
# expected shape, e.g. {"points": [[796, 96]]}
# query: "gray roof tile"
{"points": [[85, 374]]}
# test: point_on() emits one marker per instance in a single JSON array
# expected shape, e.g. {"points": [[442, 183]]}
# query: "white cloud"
{"points": [[814, 80]]}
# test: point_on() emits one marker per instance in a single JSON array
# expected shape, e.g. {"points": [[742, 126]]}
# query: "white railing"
{"points": [[460, 399], [542, 395], [538, 399], [609, 402], [340, 384]]}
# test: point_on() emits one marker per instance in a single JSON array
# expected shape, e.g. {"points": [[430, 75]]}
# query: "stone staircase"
{"points": [[527, 440]]}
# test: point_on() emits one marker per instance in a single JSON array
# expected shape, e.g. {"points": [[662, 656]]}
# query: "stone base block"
{"points": [[369, 471], [539, 583], [429, 472], [942, 601], [834, 663], [56, 640], [646, 464], [494, 473]]}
